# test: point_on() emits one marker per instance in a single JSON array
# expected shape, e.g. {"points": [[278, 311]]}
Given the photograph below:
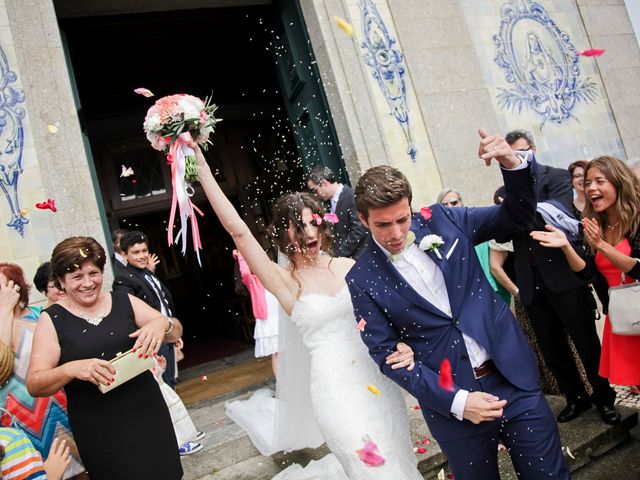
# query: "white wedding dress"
{"points": [[345, 411]]}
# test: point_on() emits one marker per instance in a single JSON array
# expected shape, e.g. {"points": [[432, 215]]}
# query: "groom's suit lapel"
{"points": [[453, 279]]}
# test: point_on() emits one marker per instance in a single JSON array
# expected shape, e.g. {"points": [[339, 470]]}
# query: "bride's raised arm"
{"points": [[270, 274]]}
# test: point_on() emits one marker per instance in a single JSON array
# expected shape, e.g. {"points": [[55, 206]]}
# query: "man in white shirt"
{"points": [[420, 282], [350, 236]]}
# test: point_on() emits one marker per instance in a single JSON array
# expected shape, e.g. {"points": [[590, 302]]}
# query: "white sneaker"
{"points": [[199, 436], [190, 448]]}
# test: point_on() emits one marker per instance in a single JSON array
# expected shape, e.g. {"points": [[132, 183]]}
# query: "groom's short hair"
{"points": [[381, 186]]}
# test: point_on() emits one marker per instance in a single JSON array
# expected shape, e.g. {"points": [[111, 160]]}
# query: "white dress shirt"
{"points": [[336, 197], [425, 277]]}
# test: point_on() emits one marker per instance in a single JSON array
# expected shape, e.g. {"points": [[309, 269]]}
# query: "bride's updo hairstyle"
{"points": [[72, 253], [287, 211]]}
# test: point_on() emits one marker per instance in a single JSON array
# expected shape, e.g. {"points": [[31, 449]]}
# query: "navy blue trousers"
{"points": [[528, 429]]}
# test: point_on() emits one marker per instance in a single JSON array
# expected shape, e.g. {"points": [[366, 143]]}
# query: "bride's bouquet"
{"points": [[170, 125]]}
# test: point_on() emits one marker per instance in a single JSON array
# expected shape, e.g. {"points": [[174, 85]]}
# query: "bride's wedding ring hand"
{"points": [[401, 358]]}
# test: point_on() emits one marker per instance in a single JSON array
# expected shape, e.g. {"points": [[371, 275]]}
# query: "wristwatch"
{"points": [[170, 320]]}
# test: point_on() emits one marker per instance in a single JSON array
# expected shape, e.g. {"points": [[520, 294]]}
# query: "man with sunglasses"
{"points": [[557, 301]]}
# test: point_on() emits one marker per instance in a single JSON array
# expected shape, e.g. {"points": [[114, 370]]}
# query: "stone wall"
{"points": [[54, 158]]}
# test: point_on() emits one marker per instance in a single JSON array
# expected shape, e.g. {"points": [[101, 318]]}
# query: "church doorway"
{"points": [[258, 69]]}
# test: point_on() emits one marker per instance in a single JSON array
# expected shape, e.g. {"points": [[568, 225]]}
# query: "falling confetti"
{"points": [[317, 218], [50, 204], [421, 450], [370, 455], [441, 474], [416, 407], [345, 26], [82, 254], [373, 389], [331, 218], [425, 212], [361, 324], [203, 378], [501, 447], [52, 128], [592, 52], [126, 172], [23, 213], [446, 379], [144, 92]]}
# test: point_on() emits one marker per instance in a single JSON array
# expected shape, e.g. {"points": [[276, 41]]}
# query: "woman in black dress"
{"points": [[127, 432]]}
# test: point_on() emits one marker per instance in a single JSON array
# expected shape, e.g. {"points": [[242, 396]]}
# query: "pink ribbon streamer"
{"points": [[181, 199]]}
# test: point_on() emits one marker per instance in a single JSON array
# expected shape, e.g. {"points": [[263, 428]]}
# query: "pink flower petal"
{"points": [[50, 204], [425, 212], [421, 450], [331, 218], [446, 379], [203, 378], [592, 52], [317, 218], [370, 455], [361, 324], [144, 92]]}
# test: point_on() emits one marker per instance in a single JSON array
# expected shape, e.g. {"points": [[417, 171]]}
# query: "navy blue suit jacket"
{"points": [[395, 312]]}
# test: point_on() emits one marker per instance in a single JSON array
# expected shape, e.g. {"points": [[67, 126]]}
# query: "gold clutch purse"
{"points": [[127, 365]]}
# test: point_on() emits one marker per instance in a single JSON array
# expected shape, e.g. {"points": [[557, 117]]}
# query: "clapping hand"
{"points": [[592, 233], [552, 238], [401, 358]]}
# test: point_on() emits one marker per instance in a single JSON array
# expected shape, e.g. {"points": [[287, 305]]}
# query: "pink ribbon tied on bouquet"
{"points": [[182, 198]]}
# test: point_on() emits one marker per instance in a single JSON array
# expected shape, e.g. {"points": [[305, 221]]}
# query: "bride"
{"points": [[351, 401]]}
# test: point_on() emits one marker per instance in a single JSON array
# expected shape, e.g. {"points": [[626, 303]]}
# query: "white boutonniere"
{"points": [[432, 243]]}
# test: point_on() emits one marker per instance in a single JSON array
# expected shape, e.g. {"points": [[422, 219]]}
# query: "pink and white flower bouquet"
{"points": [[178, 119], [171, 124]]}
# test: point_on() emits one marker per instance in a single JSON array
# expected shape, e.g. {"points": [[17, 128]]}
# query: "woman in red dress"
{"points": [[612, 232]]}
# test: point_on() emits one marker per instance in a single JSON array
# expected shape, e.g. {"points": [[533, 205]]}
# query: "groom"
{"points": [[420, 282]]}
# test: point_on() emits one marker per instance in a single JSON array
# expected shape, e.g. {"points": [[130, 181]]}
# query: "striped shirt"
{"points": [[21, 461]]}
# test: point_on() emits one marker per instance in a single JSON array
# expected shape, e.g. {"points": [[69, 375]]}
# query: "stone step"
{"points": [[229, 455]]}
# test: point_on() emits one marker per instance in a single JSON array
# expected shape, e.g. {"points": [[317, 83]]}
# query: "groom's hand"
{"points": [[402, 357], [483, 407], [495, 146]]}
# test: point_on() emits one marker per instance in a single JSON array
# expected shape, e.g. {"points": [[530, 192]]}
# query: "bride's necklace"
{"points": [[611, 227]]}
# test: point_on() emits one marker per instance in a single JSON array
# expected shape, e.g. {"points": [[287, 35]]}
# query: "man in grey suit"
{"points": [[350, 236]]}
